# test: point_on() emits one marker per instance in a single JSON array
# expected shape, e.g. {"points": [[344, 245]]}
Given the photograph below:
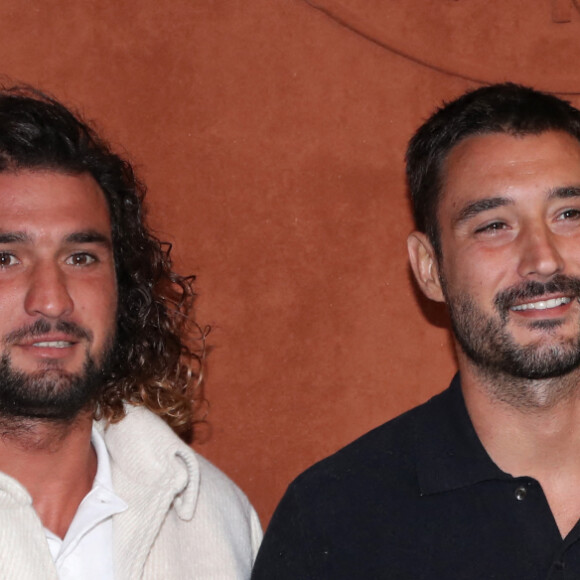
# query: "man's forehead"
{"points": [[485, 166], [38, 201]]}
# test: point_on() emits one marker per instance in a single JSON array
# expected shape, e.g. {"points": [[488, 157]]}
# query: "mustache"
{"points": [[559, 284], [42, 326]]}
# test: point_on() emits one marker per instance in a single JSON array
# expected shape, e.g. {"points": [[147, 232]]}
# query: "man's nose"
{"points": [[47, 293], [540, 255]]}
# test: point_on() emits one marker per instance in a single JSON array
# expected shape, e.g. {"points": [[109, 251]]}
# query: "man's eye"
{"points": [[7, 260], [492, 227], [81, 259], [570, 214]]}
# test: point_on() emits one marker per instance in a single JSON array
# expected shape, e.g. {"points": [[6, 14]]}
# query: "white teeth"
{"points": [[53, 344], [542, 304]]}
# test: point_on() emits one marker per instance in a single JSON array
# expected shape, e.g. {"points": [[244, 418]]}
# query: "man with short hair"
{"points": [[482, 481], [96, 373]]}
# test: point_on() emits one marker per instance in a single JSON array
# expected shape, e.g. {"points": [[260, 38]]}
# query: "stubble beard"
{"points": [[534, 375]]}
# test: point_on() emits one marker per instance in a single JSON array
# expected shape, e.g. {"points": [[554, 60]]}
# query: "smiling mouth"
{"points": [[53, 344], [543, 304]]}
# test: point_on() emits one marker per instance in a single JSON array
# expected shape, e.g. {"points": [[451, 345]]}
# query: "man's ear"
{"points": [[424, 265]]}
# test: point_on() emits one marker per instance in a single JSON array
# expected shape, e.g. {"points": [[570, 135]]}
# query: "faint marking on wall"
{"points": [[562, 10]]}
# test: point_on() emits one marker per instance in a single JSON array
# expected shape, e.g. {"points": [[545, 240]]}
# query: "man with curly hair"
{"points": [[98, 373]]}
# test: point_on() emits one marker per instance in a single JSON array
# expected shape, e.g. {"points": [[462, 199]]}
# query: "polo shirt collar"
{"points": [[449, 453]]}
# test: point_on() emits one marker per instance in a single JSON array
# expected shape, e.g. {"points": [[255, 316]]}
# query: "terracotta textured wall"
{"points": [[271, 134]]}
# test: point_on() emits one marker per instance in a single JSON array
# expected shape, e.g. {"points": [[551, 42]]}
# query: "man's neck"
{"points": [[539, 440], [55, 462]]}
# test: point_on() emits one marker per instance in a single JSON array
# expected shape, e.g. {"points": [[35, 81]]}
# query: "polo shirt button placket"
{"points": [[559, 565], [559, 571], [521, 492]]}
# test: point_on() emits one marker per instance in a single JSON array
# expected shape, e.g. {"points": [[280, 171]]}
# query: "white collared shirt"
{"points": [[87, 549]]}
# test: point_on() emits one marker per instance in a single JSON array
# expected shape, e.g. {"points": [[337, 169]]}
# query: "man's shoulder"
{"points": [[387, 452], [143, 441], [189, 514], [337, 517], [149, 460]]}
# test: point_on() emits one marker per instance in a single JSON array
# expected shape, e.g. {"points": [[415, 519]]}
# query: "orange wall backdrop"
{"points": [[271, 134]]}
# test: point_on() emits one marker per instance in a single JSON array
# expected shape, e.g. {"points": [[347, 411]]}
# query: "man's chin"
{"points": [[41, 367], [536, 361], [53, 394]]}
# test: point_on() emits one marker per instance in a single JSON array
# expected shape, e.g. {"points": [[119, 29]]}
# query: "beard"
{"points": [[51, 393], [487, 342]]}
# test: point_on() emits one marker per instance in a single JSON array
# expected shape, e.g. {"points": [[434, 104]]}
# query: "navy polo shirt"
{"points": [[417, 498]]}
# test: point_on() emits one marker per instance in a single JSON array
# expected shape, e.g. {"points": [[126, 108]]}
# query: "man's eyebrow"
{"points": [[14, 237], [565, 192], [83, 237], [472, 209], [89, 237]]}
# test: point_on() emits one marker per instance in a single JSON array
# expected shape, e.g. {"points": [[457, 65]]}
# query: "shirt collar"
{"points": [[97, 506], [448, 450], [102, 501], [103, 475]]}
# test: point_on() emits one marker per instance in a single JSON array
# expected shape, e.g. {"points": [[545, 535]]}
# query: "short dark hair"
{"points": [[501, 108], [152, 363]]}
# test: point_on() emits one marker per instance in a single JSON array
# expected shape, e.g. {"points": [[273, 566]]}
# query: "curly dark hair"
{"points": [[501, 108], [152, 363]]}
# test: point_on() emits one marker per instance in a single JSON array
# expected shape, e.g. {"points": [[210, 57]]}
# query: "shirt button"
{"points": [[521, 493]]}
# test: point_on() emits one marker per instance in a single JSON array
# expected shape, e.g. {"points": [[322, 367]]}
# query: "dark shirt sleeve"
{"points": [[285, 551]]}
